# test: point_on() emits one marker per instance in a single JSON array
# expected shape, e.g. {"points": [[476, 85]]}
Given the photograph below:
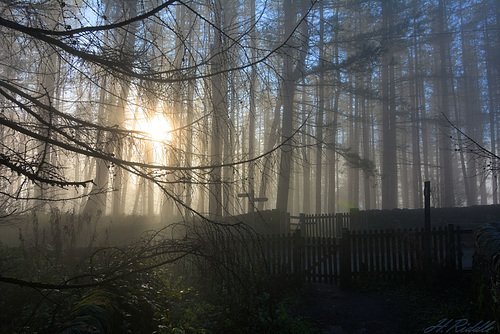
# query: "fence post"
{"points": [[345, 259], [297, 256]]}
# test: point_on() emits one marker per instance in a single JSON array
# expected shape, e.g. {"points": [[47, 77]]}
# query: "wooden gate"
{"points": [[324, 225], [320, 259]]}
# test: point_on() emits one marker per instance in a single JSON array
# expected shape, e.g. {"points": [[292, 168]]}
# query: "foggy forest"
{"points": [[125, 116], [131, 108]]}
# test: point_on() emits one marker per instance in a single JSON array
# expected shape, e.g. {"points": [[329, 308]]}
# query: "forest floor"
{"points": [[390, 309]]}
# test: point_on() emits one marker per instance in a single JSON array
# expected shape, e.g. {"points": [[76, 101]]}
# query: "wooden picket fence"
{"points": [[383, 254]]}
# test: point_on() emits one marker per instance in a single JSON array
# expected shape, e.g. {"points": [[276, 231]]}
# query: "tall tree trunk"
{"points": [[320, 116], [493, 84], [47, 88], [306, 158], [447, 175], [96, 201], [332, 133], [389, 168], [366, 149], [97, 196], [287, 120], [471, 116], [129, 9], [219, 110], [189, 145], [353, 144], [228, 194], [416, 170], [271, 142], [405, 185], [252, 111]]}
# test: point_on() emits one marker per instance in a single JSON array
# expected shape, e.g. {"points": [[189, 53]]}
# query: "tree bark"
{"points": [[287, 120], [446, 169], [389, 154]]}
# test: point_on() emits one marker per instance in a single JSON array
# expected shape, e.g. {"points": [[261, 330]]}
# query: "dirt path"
{"points": [[335, 311]]}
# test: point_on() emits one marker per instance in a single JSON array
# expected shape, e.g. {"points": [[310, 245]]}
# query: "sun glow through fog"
{"points": [[158, 128]]}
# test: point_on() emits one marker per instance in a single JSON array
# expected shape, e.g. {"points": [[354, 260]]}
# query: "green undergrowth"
{"points": [[221, 289], [256, 307], [163, 300]]}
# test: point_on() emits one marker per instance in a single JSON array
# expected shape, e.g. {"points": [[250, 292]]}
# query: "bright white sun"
{"points": [[160, 129], [157, 128]]}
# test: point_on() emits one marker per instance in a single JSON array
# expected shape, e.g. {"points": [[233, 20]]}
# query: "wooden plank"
{"points": [[308, 250], [354, 251], [441, 245], [338, 225], [323, 256], [336, 259], [413, 249], [345, 261], [371, 251], [383, 266], [388, 261], [320, 226], [331, 257], [315, 258], [450, 247], [327, 259], [460, 253], [297, 255], [290, 253], [272, 252], [377, 254], [280, 256], [406, 254], [394, 250], [367, 251], [315, 227]]}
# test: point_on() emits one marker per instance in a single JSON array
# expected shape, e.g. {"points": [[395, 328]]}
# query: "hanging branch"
{"points": [[23, 170], [473, 147]]}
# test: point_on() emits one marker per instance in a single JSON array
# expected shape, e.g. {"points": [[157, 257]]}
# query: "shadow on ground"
{"points": [[389, 309]]}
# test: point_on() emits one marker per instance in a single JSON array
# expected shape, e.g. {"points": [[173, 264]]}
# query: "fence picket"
{"points": [[376, 250], [399, 250], [440, 244], [354, 251], [345, 259], [406, 255], [394, 258], [331, 256], [460, 253]]}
